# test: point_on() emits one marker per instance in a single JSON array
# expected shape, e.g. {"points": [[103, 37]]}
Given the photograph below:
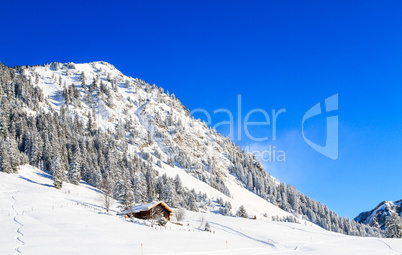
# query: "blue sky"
{"points": [[275, 54]]}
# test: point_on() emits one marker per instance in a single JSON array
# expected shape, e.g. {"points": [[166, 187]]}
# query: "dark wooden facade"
{"points": [[154, 212]]}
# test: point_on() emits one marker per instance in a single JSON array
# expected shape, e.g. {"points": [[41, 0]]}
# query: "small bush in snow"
{"points": [[207, 227], [180, 214], [162, 221]]}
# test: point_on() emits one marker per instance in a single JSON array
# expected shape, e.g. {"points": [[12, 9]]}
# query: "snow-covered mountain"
{"points": [[90, 122], [378, 215], [147, 122]]}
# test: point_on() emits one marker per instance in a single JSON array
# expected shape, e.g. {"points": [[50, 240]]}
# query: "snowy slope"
{"points": [[240, 196], [36, 218]]}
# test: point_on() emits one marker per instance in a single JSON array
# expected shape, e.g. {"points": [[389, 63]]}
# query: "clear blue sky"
{"points": [[276, 54]]}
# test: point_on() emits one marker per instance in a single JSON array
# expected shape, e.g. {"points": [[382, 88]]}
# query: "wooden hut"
{"points": [[150, 211]]}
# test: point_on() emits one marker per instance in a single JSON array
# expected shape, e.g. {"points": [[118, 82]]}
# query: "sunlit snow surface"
{"points": [[36, 218]]}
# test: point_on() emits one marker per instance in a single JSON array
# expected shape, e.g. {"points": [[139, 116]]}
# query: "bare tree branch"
{"points": [[154, 214], [107, 192]]}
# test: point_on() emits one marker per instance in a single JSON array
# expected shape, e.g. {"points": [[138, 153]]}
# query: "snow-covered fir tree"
{"points": [[74, 170], [242, 212], [57, 171], [393, 225]]}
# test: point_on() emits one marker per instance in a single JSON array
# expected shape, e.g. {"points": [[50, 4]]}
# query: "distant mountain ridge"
{"points": [[378, 215]]}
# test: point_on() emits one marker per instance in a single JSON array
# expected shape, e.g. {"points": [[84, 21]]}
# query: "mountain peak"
{"points": [[377, 216]]}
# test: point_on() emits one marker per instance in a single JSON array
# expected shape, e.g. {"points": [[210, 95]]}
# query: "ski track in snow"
{"points": [[18, 230], [389, 246]]}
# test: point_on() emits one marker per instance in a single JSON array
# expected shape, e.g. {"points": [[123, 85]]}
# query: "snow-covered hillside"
{"points": [[36, 218], [154, 123], [378, 215], [90, 122]]}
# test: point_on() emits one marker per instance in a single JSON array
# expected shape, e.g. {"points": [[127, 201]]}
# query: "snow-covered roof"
{"points": [[146, 207]]}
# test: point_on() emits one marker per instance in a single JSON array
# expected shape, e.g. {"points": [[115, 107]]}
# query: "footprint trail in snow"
{"points": [[18, 230]]}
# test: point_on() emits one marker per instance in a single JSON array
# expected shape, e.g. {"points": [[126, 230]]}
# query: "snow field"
{"points": [[73, 221]]}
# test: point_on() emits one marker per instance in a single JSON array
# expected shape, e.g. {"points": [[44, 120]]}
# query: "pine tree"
{"points": [[129, 196], [169, 194], [150, 179], [226, 209], [83, 85], [178, 185], [4, 122], [90, 124], [191, 202], [170, 162], [13, 155], [5, 165], [57, 170], [33, 146], [140, 188], [74, 170], [393, 225], [242, 212], [96, 177]]}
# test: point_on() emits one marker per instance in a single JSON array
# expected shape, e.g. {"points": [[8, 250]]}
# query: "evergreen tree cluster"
{"points": [[288, 218], [251, 173], [225, 207]]}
